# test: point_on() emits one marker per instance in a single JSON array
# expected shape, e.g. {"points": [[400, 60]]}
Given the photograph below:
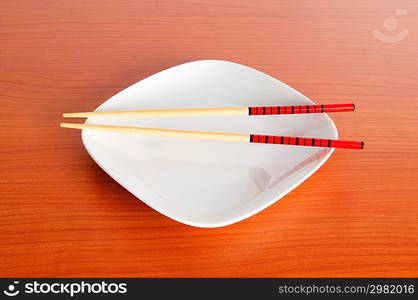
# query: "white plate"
{"points": [[209, 183]]}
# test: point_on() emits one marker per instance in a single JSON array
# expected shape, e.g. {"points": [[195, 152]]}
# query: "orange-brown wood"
{"points": [[61, 215]]}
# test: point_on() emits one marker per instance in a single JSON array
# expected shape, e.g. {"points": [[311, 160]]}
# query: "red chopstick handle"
{"points": [[300, 109], [302, 141]]}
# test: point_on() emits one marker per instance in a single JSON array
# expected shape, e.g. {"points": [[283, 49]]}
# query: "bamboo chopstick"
{"points": [[221, 136], [231, 111]]}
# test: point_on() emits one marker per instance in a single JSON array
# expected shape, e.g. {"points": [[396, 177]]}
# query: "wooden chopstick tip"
{"points": [[71, 125], [75, 115]]}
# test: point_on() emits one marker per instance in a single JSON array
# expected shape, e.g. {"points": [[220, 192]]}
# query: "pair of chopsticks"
{"points": [[220, 136]]}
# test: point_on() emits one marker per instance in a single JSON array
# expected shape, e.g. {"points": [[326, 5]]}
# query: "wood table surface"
{"points": [[62, 216]]}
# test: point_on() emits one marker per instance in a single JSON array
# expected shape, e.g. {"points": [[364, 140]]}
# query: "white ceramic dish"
{"points": [[209, 183]]}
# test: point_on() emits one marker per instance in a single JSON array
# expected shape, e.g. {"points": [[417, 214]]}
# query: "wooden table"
{"points": [[61, 215]]}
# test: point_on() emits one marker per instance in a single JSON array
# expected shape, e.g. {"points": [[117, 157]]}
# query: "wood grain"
{"points": [[61, 215]]}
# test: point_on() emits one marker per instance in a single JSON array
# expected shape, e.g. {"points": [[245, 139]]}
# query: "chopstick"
{"points": [[221, 136], [231, 111]]}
